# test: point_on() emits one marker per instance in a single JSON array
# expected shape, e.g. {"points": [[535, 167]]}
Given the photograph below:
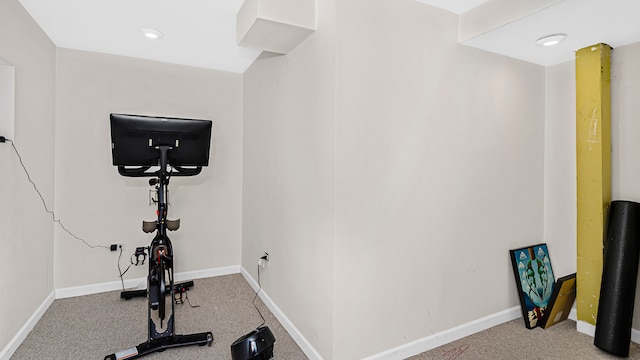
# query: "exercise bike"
{"points": [[160, 279]]}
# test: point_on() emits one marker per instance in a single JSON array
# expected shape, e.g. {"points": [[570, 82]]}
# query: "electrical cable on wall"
{"points": [[53, 216]]}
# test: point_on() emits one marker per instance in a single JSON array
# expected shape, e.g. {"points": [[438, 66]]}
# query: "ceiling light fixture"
{"points": [[151, 33], [551, 40]]}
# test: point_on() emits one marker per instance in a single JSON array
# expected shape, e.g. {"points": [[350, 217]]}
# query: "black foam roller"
{"points": [[619, 274]]}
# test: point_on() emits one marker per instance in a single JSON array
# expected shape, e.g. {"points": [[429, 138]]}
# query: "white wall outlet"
{"points": [[263, 260], [153, 197]]}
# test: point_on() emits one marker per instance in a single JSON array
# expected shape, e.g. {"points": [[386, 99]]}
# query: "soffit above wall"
{"points": [[455, 6], [511, 27]]}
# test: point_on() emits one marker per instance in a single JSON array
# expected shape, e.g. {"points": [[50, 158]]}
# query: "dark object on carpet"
{"points": [[256, 345], [620, 271]]}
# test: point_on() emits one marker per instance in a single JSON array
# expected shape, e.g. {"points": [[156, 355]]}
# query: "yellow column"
{"points": [[593, 153]]}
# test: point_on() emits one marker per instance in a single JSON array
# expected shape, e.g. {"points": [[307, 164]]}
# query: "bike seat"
{"points": [[149, 226], [173, 225]]}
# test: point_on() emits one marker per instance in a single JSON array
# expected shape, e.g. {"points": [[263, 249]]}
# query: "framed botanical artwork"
{"points": [[534, 281]]}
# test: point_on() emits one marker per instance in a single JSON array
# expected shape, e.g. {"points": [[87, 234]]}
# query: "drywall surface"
{"points": [[560, 167], [26, 236], [102, 207], [288, 191], [399, 165], [439, 172], [7, 99]]}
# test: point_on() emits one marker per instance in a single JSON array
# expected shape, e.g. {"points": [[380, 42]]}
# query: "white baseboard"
{"points": [[447, 336], [573, 314], [19, 337], [297, 336], [588, 329], [207, 273], [141, 283]]}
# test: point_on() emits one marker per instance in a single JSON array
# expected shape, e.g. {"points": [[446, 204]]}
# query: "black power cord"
{"points": [[125, 271], [180, 289], [256, 296], [53, 216]]}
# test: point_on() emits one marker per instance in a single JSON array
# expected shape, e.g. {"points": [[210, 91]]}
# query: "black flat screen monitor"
{"points": [[135, 140]]}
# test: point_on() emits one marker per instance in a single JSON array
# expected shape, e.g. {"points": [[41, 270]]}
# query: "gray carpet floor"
{"points": [[93, 326], [513, 341]]}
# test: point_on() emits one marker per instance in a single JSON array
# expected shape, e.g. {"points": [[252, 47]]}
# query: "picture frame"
{"points": [[564, 294], [534, 281]]}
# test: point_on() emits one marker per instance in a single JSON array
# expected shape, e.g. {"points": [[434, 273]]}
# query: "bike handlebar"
{"points": [[143, 171]]}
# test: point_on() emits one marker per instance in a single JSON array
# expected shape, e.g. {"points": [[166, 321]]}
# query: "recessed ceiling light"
{"points": [[151, 33], [551, 40]]}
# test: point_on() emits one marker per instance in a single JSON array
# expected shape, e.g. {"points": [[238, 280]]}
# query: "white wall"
{"points": [[439, 172], [625, 110], [560, 167], [7, 99], [430, 169], [288, 195], [26, 237], [102, 207]]}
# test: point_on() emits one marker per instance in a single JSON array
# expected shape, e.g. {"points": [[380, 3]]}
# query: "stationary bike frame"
{"points": [[160, 265]]}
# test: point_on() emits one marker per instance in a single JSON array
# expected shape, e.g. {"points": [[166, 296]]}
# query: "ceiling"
{"points": [[202, 33], [199, 33], [585, 22]]}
